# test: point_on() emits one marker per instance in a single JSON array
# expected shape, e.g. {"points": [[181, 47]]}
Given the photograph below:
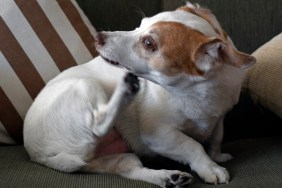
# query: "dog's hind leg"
{"points": [[129, 166], [106, 115], [64, 162]]}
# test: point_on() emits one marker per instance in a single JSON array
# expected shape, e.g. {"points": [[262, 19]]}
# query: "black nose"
{"points": [[100, 39]]}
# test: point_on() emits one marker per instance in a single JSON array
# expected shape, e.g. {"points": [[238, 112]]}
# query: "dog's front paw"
{"points": [[132, 83], [222, 157], [214, 174], [178, 179]]}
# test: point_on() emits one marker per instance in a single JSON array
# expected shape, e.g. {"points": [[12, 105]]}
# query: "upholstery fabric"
{"points": [[255, 165], [264, 79], [38, 40], [17, 171], [250, 23], [121, 15]]}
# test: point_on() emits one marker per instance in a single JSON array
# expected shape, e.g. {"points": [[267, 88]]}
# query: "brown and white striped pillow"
{"points": [[38, 40]]}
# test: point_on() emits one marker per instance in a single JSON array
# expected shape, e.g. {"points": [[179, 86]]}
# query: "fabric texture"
{"points": [[38, 40], [17, 171], [264, 79], [256, 163], [121, 15], [250, 23]]}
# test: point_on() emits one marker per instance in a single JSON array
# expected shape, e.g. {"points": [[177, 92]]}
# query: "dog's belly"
{"points": [[111, 144]]}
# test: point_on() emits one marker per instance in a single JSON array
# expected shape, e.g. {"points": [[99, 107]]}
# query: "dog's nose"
{"points": [[100, 39]]}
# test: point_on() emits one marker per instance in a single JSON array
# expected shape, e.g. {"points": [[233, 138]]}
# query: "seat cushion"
{"points": [[257, 163], [17, 171]]}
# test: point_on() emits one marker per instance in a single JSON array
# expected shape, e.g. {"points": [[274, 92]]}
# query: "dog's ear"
{"points": [[215, 51]]}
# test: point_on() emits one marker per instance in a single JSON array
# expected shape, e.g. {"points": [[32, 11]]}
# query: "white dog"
{"points": [[195, 76]]}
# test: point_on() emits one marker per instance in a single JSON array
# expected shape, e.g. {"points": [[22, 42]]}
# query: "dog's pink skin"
{"points": [[111, 144]]}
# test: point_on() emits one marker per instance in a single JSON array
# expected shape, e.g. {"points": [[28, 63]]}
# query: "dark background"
{"points": [[255, 30]]}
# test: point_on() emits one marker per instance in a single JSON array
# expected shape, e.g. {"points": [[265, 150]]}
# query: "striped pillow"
{"points": [[38, 40]]}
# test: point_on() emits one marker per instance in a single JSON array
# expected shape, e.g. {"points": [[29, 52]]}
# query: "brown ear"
{"points": [[215, 51]]}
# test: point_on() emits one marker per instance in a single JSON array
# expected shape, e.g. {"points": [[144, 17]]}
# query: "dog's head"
{"points": [[185, 43]]}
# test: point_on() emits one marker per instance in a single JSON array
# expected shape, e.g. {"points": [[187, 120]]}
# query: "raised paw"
{"points": [[132, 83], [178, 180]]}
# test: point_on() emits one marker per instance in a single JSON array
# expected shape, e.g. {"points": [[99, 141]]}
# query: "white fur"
{"points": [[169, 116]]}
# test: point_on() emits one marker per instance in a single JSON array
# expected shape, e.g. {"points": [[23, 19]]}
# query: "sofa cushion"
{"points": [[264, 79], [18, 171], [256, 163], [38, 40], [248, 29]]}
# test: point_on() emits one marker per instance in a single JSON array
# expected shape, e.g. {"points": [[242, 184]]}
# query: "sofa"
{"points": [[39, 39]]}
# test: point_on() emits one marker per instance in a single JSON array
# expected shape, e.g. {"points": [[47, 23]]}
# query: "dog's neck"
{"points": [[196, 101], [199, 99]]}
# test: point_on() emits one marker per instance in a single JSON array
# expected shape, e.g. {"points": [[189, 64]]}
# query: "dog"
{"points": [[98, 117]]}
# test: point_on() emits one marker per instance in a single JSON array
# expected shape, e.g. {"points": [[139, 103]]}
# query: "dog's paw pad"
{"points": [[132, 83], [178, 180]]}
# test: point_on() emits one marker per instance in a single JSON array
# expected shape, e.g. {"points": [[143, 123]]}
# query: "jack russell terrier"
{"points": [[190, 76]]}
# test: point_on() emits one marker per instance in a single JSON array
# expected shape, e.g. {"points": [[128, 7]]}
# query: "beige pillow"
{"points": [[38, 40], [264, 79]]}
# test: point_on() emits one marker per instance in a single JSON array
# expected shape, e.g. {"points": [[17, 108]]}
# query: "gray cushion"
{"points": [[257, 163], [119, 15], [249, 23], [17, 171]]}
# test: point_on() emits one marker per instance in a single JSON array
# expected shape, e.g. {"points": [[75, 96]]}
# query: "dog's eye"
{"points": [[149, 43]]}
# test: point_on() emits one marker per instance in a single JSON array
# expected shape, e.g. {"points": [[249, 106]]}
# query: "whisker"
{"points": [[140, 12]]}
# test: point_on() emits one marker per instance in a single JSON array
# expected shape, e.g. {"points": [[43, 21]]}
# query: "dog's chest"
{"points": [[200, 130]]}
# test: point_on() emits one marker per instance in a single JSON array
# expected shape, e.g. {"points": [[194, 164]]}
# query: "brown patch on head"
{"points": [[177, 45], [207, 15], [188, 9]]}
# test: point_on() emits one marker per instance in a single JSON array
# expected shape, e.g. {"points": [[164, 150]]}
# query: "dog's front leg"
{"points": [[172, 143], [105, 115], [215, 144]]}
